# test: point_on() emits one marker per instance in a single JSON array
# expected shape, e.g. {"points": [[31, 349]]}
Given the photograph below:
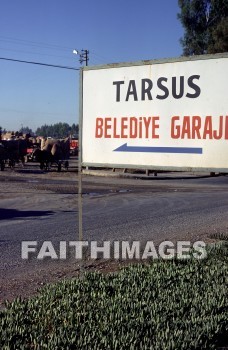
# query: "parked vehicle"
{"points": [[74, 147]]}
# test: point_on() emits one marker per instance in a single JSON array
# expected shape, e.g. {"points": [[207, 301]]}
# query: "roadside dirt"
{"points": [[30, 180], [23, 183], [27, 285]]}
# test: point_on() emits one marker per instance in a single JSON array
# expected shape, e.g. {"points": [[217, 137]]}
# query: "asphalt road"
{"points": [[44, 207]]}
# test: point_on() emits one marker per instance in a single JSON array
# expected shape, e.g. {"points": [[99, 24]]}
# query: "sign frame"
{"points": [[83, 163]]}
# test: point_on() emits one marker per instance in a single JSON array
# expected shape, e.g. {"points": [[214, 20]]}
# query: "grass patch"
{"points": [[177, 304]]}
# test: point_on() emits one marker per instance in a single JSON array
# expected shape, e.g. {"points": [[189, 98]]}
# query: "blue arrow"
{"points": [[189, 150]]}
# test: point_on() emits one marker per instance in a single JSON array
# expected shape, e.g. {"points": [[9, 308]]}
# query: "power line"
{"points": [[46, 46], [34, 43], [34, 53], [39, 63]]}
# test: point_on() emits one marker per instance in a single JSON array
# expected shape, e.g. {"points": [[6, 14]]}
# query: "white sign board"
{"points": [[157, 114]]}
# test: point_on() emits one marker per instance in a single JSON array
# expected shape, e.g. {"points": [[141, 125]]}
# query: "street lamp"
{"points": [[84, 56]]}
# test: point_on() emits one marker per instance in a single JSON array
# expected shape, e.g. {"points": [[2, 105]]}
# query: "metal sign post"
{"points": [[80, 228]]}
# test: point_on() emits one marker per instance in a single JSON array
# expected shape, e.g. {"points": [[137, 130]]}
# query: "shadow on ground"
{"points": [[14, 213]]}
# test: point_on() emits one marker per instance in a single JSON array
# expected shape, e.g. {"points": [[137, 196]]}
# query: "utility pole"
{"points": [[83, 56]]}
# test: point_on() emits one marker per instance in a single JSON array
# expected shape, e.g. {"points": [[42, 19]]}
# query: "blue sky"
{"points": [[47, 31]]}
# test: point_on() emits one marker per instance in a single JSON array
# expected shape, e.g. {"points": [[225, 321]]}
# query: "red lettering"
{"points": [[196, 125], [107, 127], [133, 133], [186, 129], [154, 127], [207, 127], [99, 128], [175, 129], [123, 128], [226, 128], [115, 135], [217, 135], [147, 124]]}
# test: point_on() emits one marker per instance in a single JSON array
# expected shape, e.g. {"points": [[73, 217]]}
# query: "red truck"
{"points": [[74, 147]]}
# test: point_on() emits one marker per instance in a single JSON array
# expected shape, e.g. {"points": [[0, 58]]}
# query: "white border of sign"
{"points": [[92, 106]]}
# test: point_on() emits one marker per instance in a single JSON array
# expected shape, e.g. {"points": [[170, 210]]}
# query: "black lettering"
{"points": [[118, 83], [146, 90], [163, 88], [132, 90], [174, 87], [193, 86]]}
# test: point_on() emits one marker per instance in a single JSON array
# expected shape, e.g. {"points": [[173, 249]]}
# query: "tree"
{"points": [[2, 132], [26, 130], [59, 130], [206, 26], [219, 34], [75, 129]]}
